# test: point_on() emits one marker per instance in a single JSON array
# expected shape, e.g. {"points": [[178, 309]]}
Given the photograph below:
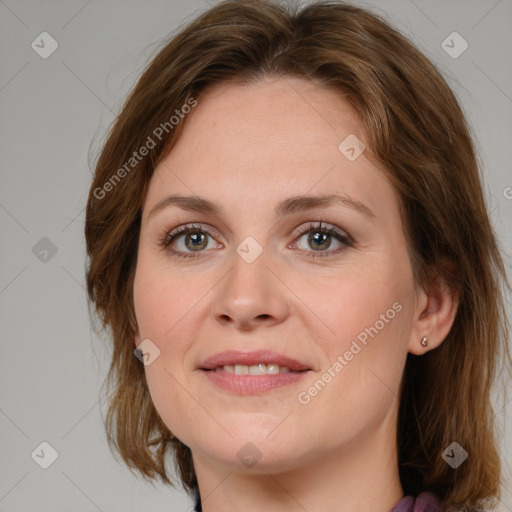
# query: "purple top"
{"points": [[424, 502]]}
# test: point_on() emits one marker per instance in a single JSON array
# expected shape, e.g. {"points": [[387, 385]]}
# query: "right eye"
{"points": [[193, 239]]}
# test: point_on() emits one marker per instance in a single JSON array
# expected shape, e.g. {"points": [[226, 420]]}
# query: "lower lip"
{"points": [[252, 384]]}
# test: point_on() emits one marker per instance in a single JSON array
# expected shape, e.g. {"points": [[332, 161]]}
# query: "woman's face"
{"points": [[259, 273]]}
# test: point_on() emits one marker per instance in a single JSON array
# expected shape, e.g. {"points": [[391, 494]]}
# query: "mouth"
{"points": [[251, 373], [256, 362], [256, 369]]}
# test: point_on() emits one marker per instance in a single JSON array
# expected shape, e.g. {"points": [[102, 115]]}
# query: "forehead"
{"points": [[266, 141], [285, 112]]}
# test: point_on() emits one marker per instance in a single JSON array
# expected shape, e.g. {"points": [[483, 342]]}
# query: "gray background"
{"points": [[52, 365]]}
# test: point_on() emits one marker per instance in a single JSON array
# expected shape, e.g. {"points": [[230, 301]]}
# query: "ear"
{"points": [[434, 316]]}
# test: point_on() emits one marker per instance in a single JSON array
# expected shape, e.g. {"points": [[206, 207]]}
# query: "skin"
{"points": [[247, 148]]}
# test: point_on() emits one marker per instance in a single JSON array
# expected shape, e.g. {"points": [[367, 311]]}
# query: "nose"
{"points": [[251, 295]]}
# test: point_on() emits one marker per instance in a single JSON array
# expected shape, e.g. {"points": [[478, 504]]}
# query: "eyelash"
{"points": [[169, 237]]}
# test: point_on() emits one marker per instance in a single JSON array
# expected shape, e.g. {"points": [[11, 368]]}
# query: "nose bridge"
{"points": [[249, 279], [248, 276], [251, 292]]}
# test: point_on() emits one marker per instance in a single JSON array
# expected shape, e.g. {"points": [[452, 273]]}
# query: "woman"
{"points": [[287, 227]]}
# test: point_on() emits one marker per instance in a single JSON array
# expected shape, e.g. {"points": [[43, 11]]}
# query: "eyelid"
{"points": [[343, 237], [320, 225], [184, 228], [298, 231]]}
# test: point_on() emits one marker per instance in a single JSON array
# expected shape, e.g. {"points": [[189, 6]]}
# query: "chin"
{"points": [[253, 452], [255, 458]]}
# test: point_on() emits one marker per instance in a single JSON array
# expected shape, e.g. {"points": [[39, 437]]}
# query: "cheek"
{"points": [[163, 315], [365, 321], [168, 308], [163, 300], [347, 302]]}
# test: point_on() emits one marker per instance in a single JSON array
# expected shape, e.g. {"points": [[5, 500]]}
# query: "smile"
{"points": [[257, 369]]}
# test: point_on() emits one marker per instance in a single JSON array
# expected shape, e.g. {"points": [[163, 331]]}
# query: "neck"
{"points": [[360, 476]]}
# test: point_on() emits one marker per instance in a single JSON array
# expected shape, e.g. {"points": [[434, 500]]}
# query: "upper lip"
{"points": [[233, 357]]}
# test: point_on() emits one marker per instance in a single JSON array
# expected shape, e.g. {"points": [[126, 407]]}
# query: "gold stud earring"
{"points": [[424, 342]]}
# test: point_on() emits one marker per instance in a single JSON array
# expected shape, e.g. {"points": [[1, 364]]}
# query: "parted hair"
{"points": [[415, 132]]}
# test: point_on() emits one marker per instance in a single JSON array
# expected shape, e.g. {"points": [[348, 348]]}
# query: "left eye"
{"points": [[321, 238]]}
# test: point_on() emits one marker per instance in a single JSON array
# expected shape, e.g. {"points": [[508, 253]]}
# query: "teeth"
{"points": [[257, 369], [274, 368], [241, 369]]}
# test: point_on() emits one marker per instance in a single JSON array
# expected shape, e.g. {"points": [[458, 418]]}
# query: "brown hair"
{"points": [[415, 132]]}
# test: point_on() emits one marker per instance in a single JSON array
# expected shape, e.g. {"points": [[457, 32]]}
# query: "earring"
{"points": [[424, 342]]}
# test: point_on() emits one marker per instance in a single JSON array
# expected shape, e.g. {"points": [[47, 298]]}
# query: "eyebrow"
{"points": [[286, 207]]}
